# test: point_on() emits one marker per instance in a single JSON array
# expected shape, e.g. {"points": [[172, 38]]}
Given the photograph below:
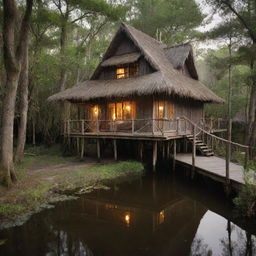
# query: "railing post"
{"points": [[228, 156], [211, 124], [178, 125], [132, 126], [193, 152], [68, 127], [83, 127], [218, 123], [246, 158]]}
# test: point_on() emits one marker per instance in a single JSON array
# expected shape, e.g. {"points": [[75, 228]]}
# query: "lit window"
{"points": [[112, 111], [171, 110], [127, 110], [95, 112], [122, 72], [161, 109], [119, 112], [127, 71]]}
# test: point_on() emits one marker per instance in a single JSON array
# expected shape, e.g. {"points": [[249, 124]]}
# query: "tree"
{"points": [[172, 21], [245, 13], [13, 55]]}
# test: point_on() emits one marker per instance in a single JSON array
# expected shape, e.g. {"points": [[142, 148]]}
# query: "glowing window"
{"points": [[119, 112], [94, 112], [171, 110], [128, 110], [112, 111], [122, 72], [161, 109]]}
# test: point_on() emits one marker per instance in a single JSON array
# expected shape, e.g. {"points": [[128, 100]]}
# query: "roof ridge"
{"points": [[178, 45]]}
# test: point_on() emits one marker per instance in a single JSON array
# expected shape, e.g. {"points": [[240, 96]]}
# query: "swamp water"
{"points": [[154, 216]]}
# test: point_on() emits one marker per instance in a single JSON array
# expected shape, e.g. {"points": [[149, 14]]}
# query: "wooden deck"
{"points": [[131, 136], [215, 168]]}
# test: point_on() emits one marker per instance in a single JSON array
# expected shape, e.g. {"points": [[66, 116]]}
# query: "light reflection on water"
{"points": [[156, 215]]}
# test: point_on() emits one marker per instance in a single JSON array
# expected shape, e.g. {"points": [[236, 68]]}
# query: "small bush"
{"points": [[246, 200], [10, 210]]}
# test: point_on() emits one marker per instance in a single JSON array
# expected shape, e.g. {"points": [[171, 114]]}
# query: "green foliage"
{"points": [[120, 167], [175, 19], [35, 195], [7, 209], [246, 200]]}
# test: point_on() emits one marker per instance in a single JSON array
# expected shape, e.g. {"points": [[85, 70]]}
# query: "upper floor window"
{"points": [[126, 71]]}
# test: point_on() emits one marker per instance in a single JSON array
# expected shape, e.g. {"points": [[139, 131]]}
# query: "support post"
{"points": [[193, 152], [178, 125], [168, 150], [163, 150], [82, 148], [115, 149], [98, 149], [246, 158], [174, 154], [228, 152], [141, 150], [154, 155], [132, 126], [83, 127]]}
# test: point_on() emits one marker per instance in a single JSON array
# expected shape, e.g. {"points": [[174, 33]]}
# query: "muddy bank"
{"points": [[40, 188]]}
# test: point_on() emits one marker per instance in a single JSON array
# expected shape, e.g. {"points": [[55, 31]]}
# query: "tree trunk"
{"points": [[22, 130], [12, 60], [7, 168], [252, 110], [63, 46]]}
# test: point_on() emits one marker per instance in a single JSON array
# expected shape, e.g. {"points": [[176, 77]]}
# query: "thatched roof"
{"points": [[121, 59], [182, 54], [166, 79]]}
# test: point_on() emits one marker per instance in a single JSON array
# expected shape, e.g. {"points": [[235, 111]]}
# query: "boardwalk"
{"points": [[214, 167]]}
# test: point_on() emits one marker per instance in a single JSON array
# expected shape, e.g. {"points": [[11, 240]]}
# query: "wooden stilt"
{"points": [[168, 150], [163, 150], [174, 154], [82, 148], [115, 149], [98, 150], [141, 150], [193, 153], [77, 146], [154, 155]]}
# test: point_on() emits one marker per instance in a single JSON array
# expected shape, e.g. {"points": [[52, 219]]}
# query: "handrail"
{"points": [[216, 137]]}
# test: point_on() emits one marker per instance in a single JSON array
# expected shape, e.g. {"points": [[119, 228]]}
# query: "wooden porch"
{"points": [[159, 129]]}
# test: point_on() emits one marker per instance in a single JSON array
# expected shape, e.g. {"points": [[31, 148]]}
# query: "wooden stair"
{"points": [[201, 146]]}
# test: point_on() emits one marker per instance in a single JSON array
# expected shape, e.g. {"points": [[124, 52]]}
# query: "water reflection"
{"points": [[152, 216]]}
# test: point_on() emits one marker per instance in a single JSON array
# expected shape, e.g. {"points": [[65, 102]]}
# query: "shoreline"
{"points": [[42, 188]]}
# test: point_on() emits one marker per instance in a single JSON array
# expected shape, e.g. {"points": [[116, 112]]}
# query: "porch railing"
{"points": [[161, 126]]}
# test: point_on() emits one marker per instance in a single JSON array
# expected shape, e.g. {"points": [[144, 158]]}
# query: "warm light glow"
{"points": [[128, 108], [114, 116], [161, 217], [127, 219], [161, 108], [96, 110], [120, 73]]}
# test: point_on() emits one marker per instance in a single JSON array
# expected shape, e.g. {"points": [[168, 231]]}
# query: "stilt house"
{"points": [[142, 89]]}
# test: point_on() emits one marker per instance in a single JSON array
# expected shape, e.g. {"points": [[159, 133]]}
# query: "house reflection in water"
{"points": [[149, 217]]}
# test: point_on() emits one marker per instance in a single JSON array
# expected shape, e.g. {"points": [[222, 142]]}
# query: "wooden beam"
{"points": [[154, 155], [82, 148], [168, 150], [98, 149], [193, 152], [174, 154], [141, 150], [115, 149]]}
